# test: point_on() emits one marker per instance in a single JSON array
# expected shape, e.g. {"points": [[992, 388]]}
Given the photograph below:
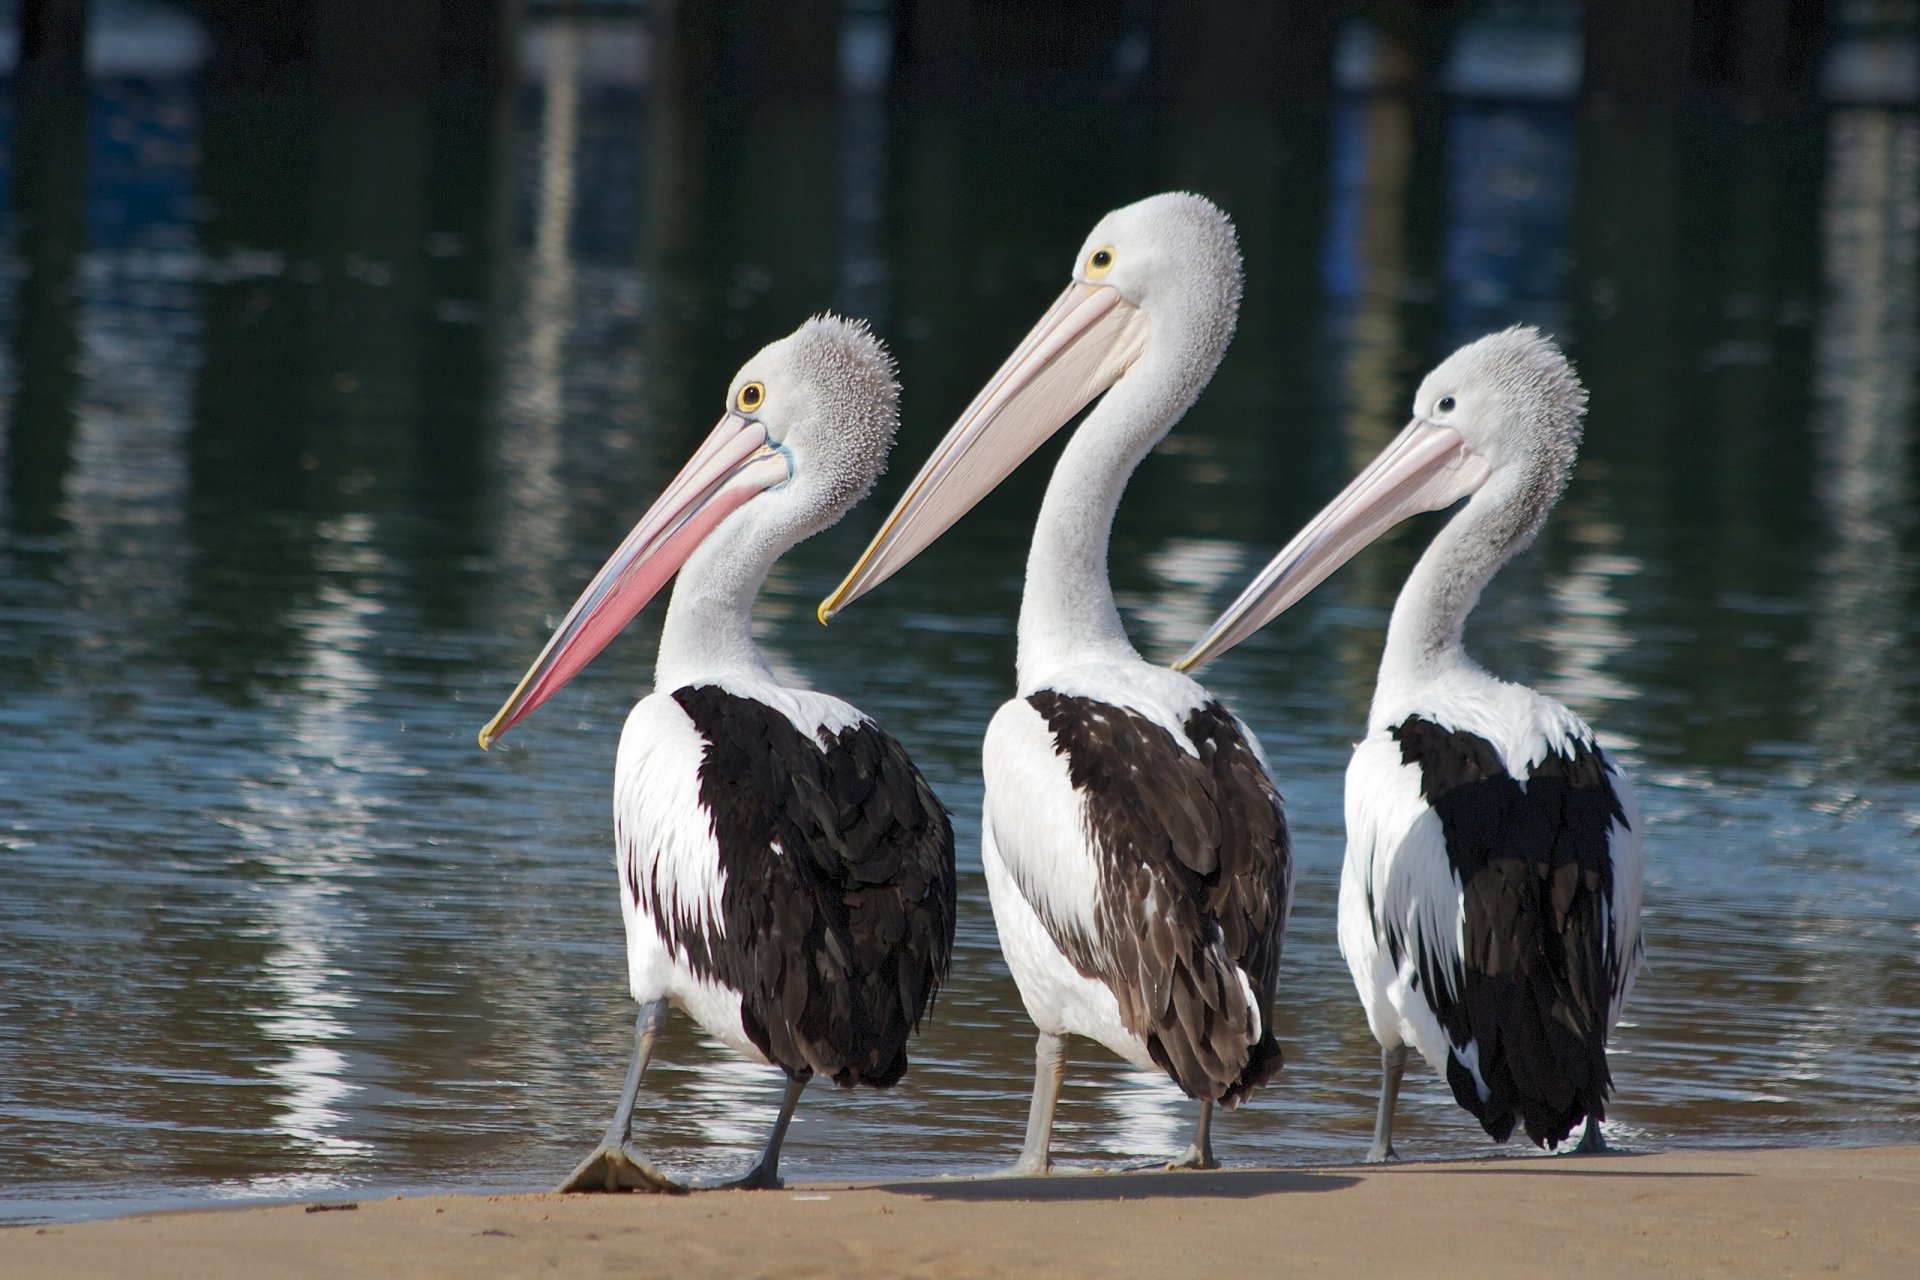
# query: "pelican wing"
{"points": [[1169, 882], [838, 898], [1524, 984]]}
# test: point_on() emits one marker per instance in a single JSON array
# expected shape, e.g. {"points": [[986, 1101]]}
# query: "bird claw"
{"points": [[615, 1169]]}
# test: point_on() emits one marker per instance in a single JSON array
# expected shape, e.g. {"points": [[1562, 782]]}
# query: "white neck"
{"points": [[1425, 638], [1067, 614], [708, 631]]}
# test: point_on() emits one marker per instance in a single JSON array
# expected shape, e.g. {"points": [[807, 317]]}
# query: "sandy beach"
{"points": [[1749, 1213]]}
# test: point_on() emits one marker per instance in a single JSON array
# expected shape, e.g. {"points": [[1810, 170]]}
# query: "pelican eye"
{"points": [[1446, 405], [751, 397], [1100, 263]]}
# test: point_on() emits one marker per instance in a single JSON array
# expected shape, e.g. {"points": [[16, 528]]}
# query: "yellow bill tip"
{"points": [[822, 612]]}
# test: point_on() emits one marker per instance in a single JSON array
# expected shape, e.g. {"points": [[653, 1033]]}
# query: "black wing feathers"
{"points": [[1194, 878], [839, 897], [1536, 870]]}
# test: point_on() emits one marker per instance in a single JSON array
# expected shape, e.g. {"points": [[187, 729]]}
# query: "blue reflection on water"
{"points": [[1508, 250]]}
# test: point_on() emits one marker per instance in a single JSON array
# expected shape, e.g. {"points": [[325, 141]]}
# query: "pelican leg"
{"points": [[1591, 1143], [1199, 1155], [1393, 1065], [1049, 1069], [765, 1174], [613, 1166]]}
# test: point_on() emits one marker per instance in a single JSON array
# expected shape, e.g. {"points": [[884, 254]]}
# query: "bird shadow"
{"points": [[1219, 1184], [1551, 1172], [1087, 1185], [1616, 1162]]}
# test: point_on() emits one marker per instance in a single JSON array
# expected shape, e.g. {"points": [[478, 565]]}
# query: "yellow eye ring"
{"points": [[1100, 263], [751, 397]]}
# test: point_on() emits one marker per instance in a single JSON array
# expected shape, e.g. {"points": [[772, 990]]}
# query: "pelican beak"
{"points": [[1426, 468], [1082, 345], [732, 465]]}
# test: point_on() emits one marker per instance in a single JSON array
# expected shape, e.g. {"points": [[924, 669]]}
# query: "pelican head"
{"points": [[805, 433], [1499, 418], [1156, 283]]}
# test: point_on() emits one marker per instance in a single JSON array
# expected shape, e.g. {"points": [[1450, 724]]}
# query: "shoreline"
{"points": [[1764, 1211]]}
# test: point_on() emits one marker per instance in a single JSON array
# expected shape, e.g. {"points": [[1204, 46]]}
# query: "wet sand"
{"points": [[1748, 1213]]}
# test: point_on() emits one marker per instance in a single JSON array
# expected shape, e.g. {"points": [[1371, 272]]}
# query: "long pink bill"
{"points": [[730, 466], [1086, 340], [1427, 467]]}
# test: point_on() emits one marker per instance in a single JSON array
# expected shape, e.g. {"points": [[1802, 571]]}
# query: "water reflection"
{"points": [[532, 506], [1591, 629], [316, 826], [46, 187], [1368, 269], [1191, 574], [549, 304], [1367, 265], [866, 56], [728, 1102], [1511, 190], [1866, 361], [320, 404]]}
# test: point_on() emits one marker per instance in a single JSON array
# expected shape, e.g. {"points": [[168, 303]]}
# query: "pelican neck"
{"points": [[1067, 613], [708, 631]]}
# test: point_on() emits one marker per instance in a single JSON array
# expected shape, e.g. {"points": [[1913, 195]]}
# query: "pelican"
{"points": [[1133, 838], [1490, 901], [786, 874]]}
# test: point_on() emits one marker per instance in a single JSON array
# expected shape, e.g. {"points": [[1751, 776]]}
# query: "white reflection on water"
{"points": [[1190, 576], [552, 285], [1866, 355], [532, 531], [314, 825], [730, 1101], [1587, 634], [126, 493], [1152, 1118]]}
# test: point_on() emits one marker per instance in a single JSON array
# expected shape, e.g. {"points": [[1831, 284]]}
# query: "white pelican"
{"points": [[1490, 902], [786, 875], [1134, 843]]}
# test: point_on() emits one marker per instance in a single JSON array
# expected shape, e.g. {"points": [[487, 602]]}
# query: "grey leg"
{"points": [[1200, 1154], [1049, 1068], [1393, 1065], [765, 1174], [1591, 1143], [612, 1166]]}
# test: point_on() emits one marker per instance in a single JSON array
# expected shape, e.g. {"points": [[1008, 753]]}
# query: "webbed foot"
{"points": [[1194, 1158], [1199, 1152], [1027, 1166], [615, 1169], [758, 1178]]}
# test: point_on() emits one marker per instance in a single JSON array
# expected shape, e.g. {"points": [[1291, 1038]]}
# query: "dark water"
{"points": [[322, 406]]}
